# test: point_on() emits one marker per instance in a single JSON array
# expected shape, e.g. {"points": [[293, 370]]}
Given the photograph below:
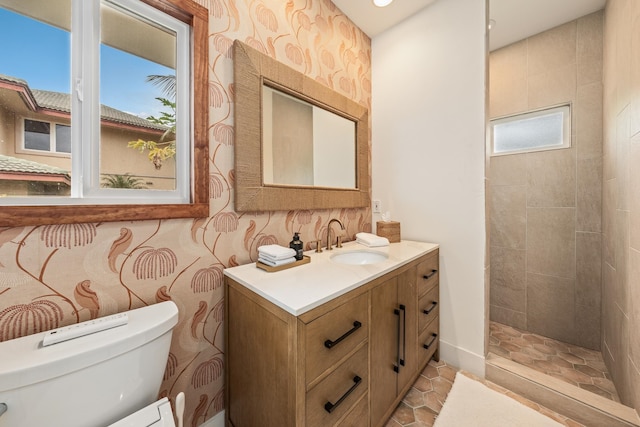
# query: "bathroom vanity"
{"points": [[337, 341]]}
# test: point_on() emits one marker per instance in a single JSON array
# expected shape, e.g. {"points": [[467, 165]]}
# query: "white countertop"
{"points": [[302, 288]]}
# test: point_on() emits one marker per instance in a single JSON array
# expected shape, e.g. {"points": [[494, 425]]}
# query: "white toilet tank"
{"points": [[90, 381]]}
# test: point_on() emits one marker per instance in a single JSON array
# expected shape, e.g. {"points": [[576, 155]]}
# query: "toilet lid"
{"points": [[158, 414]]}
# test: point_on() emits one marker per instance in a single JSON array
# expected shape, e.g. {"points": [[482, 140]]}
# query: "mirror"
{"points": [[282, 165], [303, 144]]}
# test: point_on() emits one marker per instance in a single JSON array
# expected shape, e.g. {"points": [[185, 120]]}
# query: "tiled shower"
{"points": [[546, 206], [565, 224]]}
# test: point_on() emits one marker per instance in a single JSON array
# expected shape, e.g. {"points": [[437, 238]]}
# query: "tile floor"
{"points": [[423, 402], [575, 365]]}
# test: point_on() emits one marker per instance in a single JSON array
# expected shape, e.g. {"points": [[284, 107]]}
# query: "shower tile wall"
{"points": [[621, 198], [545, 207]]}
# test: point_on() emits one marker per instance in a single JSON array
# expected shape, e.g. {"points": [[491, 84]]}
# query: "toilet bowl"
{"points": [[94, 373]]}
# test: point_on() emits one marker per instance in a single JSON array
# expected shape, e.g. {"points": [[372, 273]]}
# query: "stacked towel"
{"points": [[276, 255], [371, 240]]}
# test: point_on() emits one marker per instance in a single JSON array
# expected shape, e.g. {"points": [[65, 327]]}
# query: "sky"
{"points": [[40, 54]]}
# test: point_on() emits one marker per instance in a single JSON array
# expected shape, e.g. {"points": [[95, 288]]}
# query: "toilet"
{"points": [[103, 372]]}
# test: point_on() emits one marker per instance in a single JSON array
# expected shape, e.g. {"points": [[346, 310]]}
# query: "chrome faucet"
{"points": [[329, 233]]}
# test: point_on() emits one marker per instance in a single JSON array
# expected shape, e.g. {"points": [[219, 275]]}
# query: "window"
{"points": [[80, 93], [40, 137], [546, 129]]}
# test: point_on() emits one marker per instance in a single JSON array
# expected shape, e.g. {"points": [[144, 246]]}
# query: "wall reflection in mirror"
{"points": [[304, 144]]}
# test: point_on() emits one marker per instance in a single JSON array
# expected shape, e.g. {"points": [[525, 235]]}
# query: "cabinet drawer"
{"points": [[429, 341], [428, 275], [342, 389], [332, 336], [428, 308], [359, 416]]}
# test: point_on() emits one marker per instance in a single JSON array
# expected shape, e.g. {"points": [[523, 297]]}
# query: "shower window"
{"points": [[539, 130]]}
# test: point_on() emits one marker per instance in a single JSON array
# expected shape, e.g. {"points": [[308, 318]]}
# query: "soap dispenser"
{"points": [[296, 244]]}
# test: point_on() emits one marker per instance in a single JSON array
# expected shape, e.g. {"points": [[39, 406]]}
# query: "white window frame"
{"points": [[85, 113], [565, 109], [21, 144]]}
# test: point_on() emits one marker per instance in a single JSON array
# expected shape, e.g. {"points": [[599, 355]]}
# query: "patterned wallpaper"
{"points": [[56, 275]]}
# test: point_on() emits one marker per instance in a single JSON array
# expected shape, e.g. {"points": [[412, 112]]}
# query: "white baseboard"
{"points": [[216, 421], [462, 359]]}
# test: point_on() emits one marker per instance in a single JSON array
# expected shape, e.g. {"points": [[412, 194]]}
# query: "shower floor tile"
{"points": [[575, 365]]}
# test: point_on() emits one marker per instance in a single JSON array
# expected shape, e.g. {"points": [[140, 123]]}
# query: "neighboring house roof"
{"points": [[14, 80], [14, 165], [58, 101]]}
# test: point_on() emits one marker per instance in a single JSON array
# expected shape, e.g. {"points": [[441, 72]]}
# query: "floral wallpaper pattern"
{"points": [[56, 275]]}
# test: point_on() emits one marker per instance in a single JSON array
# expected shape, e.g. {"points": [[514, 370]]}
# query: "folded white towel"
{"points": [[275, 252], [277, 263], [271, 258], [371, 240], [375, 244]]}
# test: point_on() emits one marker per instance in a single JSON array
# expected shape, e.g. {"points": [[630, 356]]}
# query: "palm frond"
{"points": [[167, 84]]}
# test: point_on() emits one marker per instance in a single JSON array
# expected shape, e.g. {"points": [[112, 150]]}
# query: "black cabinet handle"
{"points": [[329, 407], [430, 275], [430, 309], [402, 325], [356, 326], [404, 334], [433, 338], [396, 367]]}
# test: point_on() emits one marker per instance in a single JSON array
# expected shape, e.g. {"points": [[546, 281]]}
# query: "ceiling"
{"points": [[373, 19], [514, 19], [518, 19]]}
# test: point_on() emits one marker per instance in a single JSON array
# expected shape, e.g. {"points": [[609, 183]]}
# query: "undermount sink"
{"points": [[359, 257]]}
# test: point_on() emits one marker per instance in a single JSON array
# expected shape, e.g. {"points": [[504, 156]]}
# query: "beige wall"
{"points": [[545, 206], [621, 198], [117, 158], [43, 269], [7, 131]]}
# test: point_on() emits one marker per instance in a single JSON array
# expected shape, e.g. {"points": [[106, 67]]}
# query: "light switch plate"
{"points": [[377, 206]]}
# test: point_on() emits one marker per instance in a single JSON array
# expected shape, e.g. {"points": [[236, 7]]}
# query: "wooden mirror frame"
{"points": [[197, 17], [253, 68]]}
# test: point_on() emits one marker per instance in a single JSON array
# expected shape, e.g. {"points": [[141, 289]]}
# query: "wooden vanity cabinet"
{"points": [[333, 365]]}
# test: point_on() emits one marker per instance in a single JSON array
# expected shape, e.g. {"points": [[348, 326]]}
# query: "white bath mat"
{"points": [[472, 404]]}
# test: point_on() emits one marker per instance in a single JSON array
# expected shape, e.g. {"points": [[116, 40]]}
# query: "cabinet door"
{"points": [[384, 348], [408, 302], [259, 382]]}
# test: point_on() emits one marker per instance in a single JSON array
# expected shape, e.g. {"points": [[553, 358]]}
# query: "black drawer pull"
{"points": [[430, 309], [329, 407], [430, 275], [433, 338], [356, 326]]}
